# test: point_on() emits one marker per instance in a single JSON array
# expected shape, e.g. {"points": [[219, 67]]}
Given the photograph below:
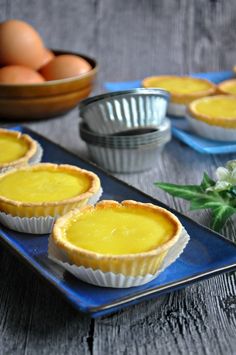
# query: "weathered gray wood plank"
{"points": [[131, 40]]}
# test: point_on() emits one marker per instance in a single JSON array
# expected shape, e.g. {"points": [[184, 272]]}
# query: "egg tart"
{"points": [[46, 189], [214, 117], [227, 87], [183, 90], [16, 149], [129, 238]]}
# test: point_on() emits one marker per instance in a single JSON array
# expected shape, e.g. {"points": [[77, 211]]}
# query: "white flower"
{"points": [[220, 186], [222, 174], [231, 165], [226, 177]]}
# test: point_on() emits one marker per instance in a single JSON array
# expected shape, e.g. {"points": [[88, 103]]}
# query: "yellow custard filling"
{"points": [[117, 231], [11, 149], [42, 185], [222, 106], [179, 85]]}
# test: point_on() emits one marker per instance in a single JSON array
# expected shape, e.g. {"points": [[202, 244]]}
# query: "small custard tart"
{"points": [[16, 149], [129, 238], [46, 189], [183, 90], [214, 117], [227, 87]]}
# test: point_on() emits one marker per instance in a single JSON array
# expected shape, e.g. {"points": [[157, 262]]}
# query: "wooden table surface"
{"points": [[130, 39]]}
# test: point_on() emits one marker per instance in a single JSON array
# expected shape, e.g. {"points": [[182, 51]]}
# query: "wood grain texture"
{"points": [[130, 40]]}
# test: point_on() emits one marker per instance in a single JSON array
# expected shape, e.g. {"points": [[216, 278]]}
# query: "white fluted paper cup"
{"points": [[177, 110], [37, 157], [32, 225], [110, 279], [212, 132]]}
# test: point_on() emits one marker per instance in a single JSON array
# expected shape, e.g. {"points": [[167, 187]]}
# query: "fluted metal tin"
{"points": [[126, 160], [119, 111], [126, 156], [160, 135]]}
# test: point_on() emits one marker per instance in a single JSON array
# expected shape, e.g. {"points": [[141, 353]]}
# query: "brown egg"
{"points": [[65, 66], [48, 56], [20, 44], [16, 74]]}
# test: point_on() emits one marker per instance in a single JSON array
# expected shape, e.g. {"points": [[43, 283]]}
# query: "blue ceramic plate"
{"points": [[201, 145], [202, 258]]}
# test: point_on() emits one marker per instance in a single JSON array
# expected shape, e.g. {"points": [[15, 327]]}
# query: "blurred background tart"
{"points": [[16, 149], [227, 87], [183, 90], [214, 117], [129, 238]]}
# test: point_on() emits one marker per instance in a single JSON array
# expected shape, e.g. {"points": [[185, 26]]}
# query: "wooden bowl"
{"points": [[48, 99]]}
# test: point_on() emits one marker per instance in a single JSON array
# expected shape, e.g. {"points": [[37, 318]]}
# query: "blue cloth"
{"points": [[202, 145]]}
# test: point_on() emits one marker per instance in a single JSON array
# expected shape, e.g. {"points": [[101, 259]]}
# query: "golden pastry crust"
{"points": [[180, 98], [211, 120], [128, 264], [224, 87], [29, 209], [32, 148]]}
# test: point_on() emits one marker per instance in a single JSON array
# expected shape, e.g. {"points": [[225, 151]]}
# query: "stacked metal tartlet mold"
{"points": [[125, 131]]}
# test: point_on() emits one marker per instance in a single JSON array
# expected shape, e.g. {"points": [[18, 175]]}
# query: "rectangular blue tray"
{"points": [[206, 255]]}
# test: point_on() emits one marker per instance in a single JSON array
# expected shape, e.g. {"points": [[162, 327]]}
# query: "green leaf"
{"points": [[187, 192], [220, 215], [232, 191], [207, 182], [205, 202], [194, 193], [220, 203]]}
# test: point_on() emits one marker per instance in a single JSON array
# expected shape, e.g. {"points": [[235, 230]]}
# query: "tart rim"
{"points": [[63, 244], [211, 120], [226, 83], [185, 98], [95, 185], [31, 143]]}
